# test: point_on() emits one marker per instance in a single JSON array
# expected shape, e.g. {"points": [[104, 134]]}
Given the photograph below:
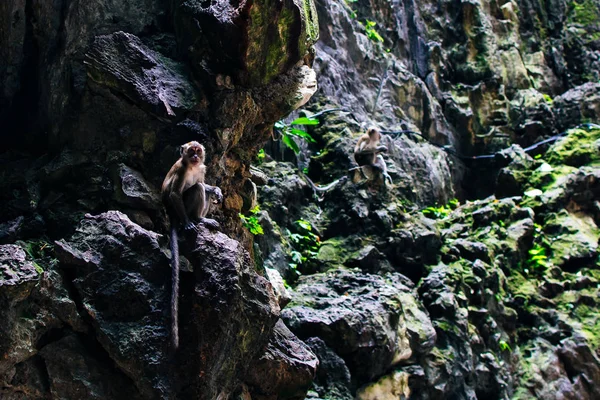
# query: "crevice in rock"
{"points": [[21, 116], [52, 335]]}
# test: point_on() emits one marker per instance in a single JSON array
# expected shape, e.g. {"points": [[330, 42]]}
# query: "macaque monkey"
{"points": [[184, 194], [366, 154]]}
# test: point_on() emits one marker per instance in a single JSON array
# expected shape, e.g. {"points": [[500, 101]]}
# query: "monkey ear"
{"points": [[181, 149]]}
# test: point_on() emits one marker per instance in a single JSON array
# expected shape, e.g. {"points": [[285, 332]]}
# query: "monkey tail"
{"points": [[174, 289]]}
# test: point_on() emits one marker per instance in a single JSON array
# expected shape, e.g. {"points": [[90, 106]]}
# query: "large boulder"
{"points": [[121, 274], [372, 322]]}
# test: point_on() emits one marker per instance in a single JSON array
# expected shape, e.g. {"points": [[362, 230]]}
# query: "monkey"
{"points": [[366, 154], [184, 195]]}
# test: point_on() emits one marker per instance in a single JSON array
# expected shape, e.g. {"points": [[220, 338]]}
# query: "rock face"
{"points": [[112, 341], [111, 91], [395, 290], [371, 322]]}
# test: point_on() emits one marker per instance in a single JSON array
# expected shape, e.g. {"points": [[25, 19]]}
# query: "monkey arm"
{"points": [[215, 191]]}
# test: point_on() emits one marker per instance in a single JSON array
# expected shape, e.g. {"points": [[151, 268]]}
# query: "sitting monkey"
{"points": [[184, 194], [366, 155]]}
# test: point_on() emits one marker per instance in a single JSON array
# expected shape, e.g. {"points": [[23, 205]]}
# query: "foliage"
{"points": [[504, 346], [41, 252], [288, 132], [260, 156], [538, 254], [371, 32], [440, 212], [251, 222], [305, 243], [584, 13]]}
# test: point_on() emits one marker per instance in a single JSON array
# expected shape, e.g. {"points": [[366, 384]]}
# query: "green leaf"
{"points": [[304, 224], [302, 134], [305, 121], [289, 142]]}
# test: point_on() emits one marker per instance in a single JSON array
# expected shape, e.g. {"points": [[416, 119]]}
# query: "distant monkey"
{"points": [[184, 194], [366, 154]]}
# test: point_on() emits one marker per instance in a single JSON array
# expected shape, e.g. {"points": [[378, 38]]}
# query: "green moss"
{"points": [[332, 251], [520, 286], [580, 147], [582, 317], [584, 13]]}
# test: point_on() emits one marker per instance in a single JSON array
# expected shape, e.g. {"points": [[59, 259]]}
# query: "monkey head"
{"points": [[373, 133], [193, 153]]}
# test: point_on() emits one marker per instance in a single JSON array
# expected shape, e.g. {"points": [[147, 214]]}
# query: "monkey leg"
{"points": [[380, 166], [194, 200], [196, 203]]}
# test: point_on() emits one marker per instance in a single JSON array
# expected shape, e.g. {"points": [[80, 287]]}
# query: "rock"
{"points": [[116, 262], [35, 308], [10, 230], [227, 314], [370, 260], [577, 105], [121, 62], [333, 377], [472, 250], [574, 240], [285, 370], [390, 387], [349, 311], [134, 191], [18, 274], [73, 372], [258, 176], [263, 41], [547, 375], [281, 293]]}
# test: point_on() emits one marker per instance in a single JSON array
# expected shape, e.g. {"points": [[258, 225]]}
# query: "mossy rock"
{"points": [[580, 147]]}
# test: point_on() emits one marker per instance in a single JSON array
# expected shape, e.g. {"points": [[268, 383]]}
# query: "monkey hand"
{"points": [[210, 223], [190, 226], [219, 195]]}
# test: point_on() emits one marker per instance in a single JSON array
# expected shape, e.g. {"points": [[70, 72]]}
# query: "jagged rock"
{"points": [[578, 105], [134, 191], [18, 274], [251, 42], [346, 310], [285, 370], [574, 239], [564, 372], [46, 63], [390, 387], [121, 62], [41, 296], [115, 261], [227, 315], [75, 373], [281, 293], [333, 378], [370, 260], [10, 230]]}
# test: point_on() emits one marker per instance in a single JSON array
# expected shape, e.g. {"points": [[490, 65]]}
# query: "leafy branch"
{"points": [[288, 132], [251, 222]]}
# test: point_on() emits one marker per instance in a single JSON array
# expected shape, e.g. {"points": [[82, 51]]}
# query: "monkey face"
{"points": [[193, 152], [373, 133]]}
